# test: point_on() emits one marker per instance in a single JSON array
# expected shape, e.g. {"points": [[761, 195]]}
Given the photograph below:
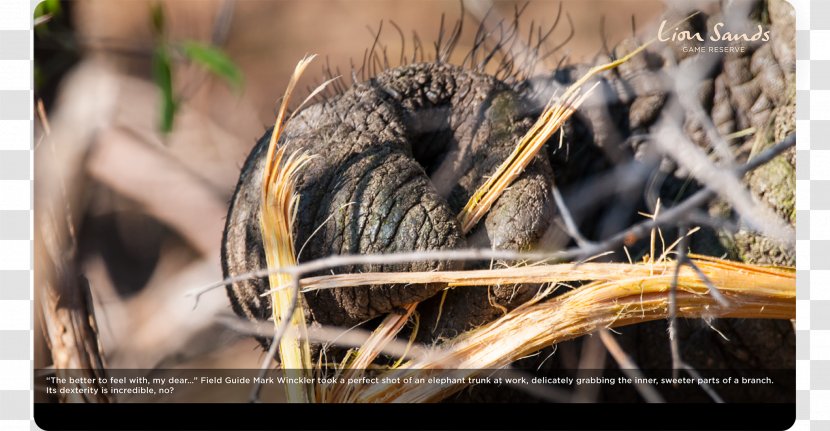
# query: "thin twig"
{"points": [[673, 343], [677, 360], [703, 384], [670, 140], [630, 369], [570, 225], [713, 290]]}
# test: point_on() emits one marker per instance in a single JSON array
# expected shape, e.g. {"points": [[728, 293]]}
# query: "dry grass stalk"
{"points": [[559, 110], [553, 273], [382, 335], [753, 292], [278, 212], [553, 117]]}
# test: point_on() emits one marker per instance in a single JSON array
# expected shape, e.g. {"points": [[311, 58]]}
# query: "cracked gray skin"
{"points": [[367, 190], [398, 156]]}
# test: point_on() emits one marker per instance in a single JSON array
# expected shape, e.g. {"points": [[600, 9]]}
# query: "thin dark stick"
{"points": [[418, 54], [452, 42], [604, 36], [440, 39], [374, 45], [564, 41], [403, 41]]}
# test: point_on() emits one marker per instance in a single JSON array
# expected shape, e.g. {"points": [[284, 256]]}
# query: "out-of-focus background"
{"points": [[134, 214]]}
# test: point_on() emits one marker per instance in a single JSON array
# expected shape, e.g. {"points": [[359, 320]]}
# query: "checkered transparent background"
{"points": [[812, 204]]}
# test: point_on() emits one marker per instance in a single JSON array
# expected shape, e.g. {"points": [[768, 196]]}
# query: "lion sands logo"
{"points": [[727, 41]]}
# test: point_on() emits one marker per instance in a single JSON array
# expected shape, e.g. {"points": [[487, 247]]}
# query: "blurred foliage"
{"points": [[163, 77], [208, 57], [214, 61], [47, 9], [58, 49], [157, 18]]}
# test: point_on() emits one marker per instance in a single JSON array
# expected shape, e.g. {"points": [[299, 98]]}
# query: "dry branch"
{"points": [[278, 212], [62, 295], [752, 291], [623, 294]]}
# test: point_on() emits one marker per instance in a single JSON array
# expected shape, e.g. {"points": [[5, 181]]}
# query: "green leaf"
{"points": [[163, 77], [40, 9], [45, 11], [157, 18], [214, 60], [48, 7]]}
